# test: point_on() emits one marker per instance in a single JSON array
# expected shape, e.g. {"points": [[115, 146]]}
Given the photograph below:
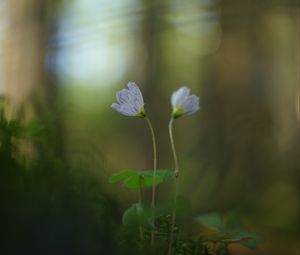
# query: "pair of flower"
{"points": [[131, 102]]}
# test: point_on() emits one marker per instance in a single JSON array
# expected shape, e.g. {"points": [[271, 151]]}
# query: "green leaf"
{"points": [[122, 176], [146, 177], [230, 229], [239, 231], [133, 182], [164, 174], [249, 239], [140, 179], [211, 220], [135, 216]]}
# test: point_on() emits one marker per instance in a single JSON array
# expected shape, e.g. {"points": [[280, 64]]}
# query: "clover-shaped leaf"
{"points": [[140, 179], [122, 176]]}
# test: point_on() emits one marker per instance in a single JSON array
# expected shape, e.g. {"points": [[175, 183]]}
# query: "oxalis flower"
{"points": [[130, 101], [183, 103]]}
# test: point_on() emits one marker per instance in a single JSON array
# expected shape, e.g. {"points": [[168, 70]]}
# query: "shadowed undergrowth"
{"points": [[48, 208]]}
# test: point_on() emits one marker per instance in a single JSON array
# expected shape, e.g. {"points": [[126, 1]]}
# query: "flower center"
{"points": [[141, 113], [177, 112]]}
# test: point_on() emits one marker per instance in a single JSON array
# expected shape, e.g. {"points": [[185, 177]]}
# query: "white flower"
{"points": [[183, 103], [130, 101]]}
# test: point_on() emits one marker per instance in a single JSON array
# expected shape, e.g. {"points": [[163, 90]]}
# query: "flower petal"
{"points": [[136, 105], [130, 101], [134, 89], [179, 96], [191, 104], [123, 96], [124, 109], [127, 110], [116, 106]]}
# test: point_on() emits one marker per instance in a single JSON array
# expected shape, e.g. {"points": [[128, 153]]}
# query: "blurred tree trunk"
{"points": [[153, 27], [24, 52], [28, 89], [253, 128]]}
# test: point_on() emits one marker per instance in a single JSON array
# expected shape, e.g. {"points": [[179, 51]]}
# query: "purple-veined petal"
{"points": [[123, 96], [134, 101], [179, 96], [191, 104], [134, 89], [126, 109], [130, 101], [136, 105]]}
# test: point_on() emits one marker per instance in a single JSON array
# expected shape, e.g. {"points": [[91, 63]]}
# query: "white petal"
{"points": [[124, 109], [134, 90], [179, 96], [123, 96], [136, 105], [130, 101], [191, 104], [127, 110], [115, 106]]}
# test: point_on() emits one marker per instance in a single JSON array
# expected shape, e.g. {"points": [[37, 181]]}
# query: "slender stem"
{"points": [[154, 175], [176, 173], [173, 146]]}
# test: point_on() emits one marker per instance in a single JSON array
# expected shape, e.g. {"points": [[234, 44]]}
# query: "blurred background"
{"points": [[61, 62]]}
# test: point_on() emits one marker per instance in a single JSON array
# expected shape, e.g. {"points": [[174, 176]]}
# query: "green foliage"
{"points": [[9, 130], [223, 230], [46, 206], [36, 131], [122, 176], [136, 215], [227, 229], [46, 195], [211, 220], [140, 179]]}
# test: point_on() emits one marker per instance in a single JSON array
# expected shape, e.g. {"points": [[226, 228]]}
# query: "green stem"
{"points": [[176, 173], [154, 175], [173, 146]]}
